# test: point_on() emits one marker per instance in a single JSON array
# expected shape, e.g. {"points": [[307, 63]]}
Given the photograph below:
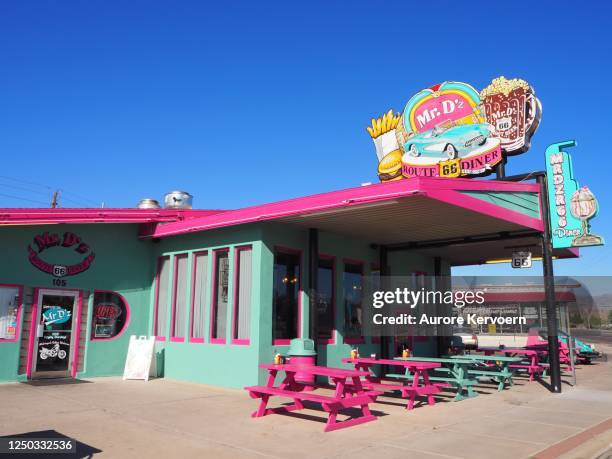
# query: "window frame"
{"points": [[126, 323], [156, 304], [236, 290], [19, 312], [332, 340], [375, 267], [213, 298], [173, 302], [199, 339], [298, 252], [353, 339]]}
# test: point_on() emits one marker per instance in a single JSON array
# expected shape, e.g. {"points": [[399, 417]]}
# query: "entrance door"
{"points": [[55, 345]]}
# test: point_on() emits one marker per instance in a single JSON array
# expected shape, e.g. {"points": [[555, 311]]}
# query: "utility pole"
{"points": [[54, 199]]}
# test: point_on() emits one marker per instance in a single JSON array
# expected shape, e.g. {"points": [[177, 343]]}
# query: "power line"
{"points": [[24, 199], [29, 190], [82, 199]]}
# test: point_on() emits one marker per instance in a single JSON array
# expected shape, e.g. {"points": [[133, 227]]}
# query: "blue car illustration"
{"points": [[449, 140]]}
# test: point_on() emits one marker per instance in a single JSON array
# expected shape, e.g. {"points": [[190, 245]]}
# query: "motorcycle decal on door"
{"points": [[55, 343]]}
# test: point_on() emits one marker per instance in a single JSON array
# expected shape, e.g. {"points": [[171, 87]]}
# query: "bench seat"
{"points": [[329, 403]]}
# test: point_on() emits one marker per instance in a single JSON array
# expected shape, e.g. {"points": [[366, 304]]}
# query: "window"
{"points": [[352, 287], [179, 298], [198, 302], [110, 315], [325, 300], [161, 297], [286, 292], [220, 297], [10, 305], [242, 300]]}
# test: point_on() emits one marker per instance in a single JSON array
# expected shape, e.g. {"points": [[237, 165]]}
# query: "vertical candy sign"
{"points": [[571, 207]]}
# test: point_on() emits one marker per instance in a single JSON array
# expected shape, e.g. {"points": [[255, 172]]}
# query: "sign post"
{"points": [[549, 292]]}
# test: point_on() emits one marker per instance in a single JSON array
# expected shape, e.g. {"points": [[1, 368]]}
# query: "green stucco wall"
{"points": [[122, 263], [126, 264]]}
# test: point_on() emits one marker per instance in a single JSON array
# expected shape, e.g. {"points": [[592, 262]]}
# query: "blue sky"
{"points": [[248, 102]]}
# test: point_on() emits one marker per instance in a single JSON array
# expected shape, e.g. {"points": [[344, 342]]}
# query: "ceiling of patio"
{"points": [[416, 219]]}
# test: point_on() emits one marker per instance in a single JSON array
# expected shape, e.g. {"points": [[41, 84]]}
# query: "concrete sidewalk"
{"points": [[163, 418]]}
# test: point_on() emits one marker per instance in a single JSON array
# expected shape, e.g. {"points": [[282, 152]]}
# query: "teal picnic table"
{"points": [[456, 374], [496, 367]]}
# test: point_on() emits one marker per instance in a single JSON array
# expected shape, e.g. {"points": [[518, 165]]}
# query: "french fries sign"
{"points": [[452, 130]]}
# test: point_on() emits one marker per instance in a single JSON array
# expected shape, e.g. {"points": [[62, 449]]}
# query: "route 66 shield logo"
{"points": [[59, 270], [451, 168]]}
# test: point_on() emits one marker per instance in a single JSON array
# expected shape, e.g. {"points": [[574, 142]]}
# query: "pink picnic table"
{"points": [[349, 392], [410, 391]]}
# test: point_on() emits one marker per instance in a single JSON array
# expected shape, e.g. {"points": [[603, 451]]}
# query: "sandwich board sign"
{"points": [[139, 363]]}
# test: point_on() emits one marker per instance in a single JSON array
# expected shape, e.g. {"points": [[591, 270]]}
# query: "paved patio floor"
{"points": [[164, 418]]}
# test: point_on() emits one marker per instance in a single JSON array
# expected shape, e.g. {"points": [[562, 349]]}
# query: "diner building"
{"points": [[225, 290]]}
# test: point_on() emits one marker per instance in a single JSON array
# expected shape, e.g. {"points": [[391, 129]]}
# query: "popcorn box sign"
{"points": [[571, 206], [514, 111]]}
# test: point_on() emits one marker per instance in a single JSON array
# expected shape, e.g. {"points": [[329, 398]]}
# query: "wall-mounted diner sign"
{"points": [[68, 241], [571, 206], [452, 130]]}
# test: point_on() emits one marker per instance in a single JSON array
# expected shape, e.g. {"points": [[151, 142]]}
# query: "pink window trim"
{"points": [[285, 341], [173, 338], [213, 302], [193, 339], [18, 317], [33, 326], [375, 267], [331, 340], [358, 340], [127, 314], [156, 306], [353, 261], [75, 362], [235, 340]]}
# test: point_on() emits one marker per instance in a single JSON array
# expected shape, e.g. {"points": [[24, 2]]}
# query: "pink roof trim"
{"points": [[432, 187], [21, 216]]}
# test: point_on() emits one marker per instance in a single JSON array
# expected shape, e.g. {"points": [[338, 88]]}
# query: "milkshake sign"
{"points": [[452, 130], [571, 207]]}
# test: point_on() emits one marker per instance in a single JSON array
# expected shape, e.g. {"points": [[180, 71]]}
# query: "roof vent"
{"points": [[178, 200], [148, 203]]}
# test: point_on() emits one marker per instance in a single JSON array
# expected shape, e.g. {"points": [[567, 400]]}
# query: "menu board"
{"points": [[139, 358]]}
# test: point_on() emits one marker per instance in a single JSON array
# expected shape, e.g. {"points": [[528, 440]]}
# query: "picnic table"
{"points": [[348, 393], [496, 367], [456, 374], [408, 389], [533, 367]]}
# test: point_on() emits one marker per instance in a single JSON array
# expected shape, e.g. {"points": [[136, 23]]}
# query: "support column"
{"points": [[549, 291], [500, 169], [313, 278], [384, 272]]}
